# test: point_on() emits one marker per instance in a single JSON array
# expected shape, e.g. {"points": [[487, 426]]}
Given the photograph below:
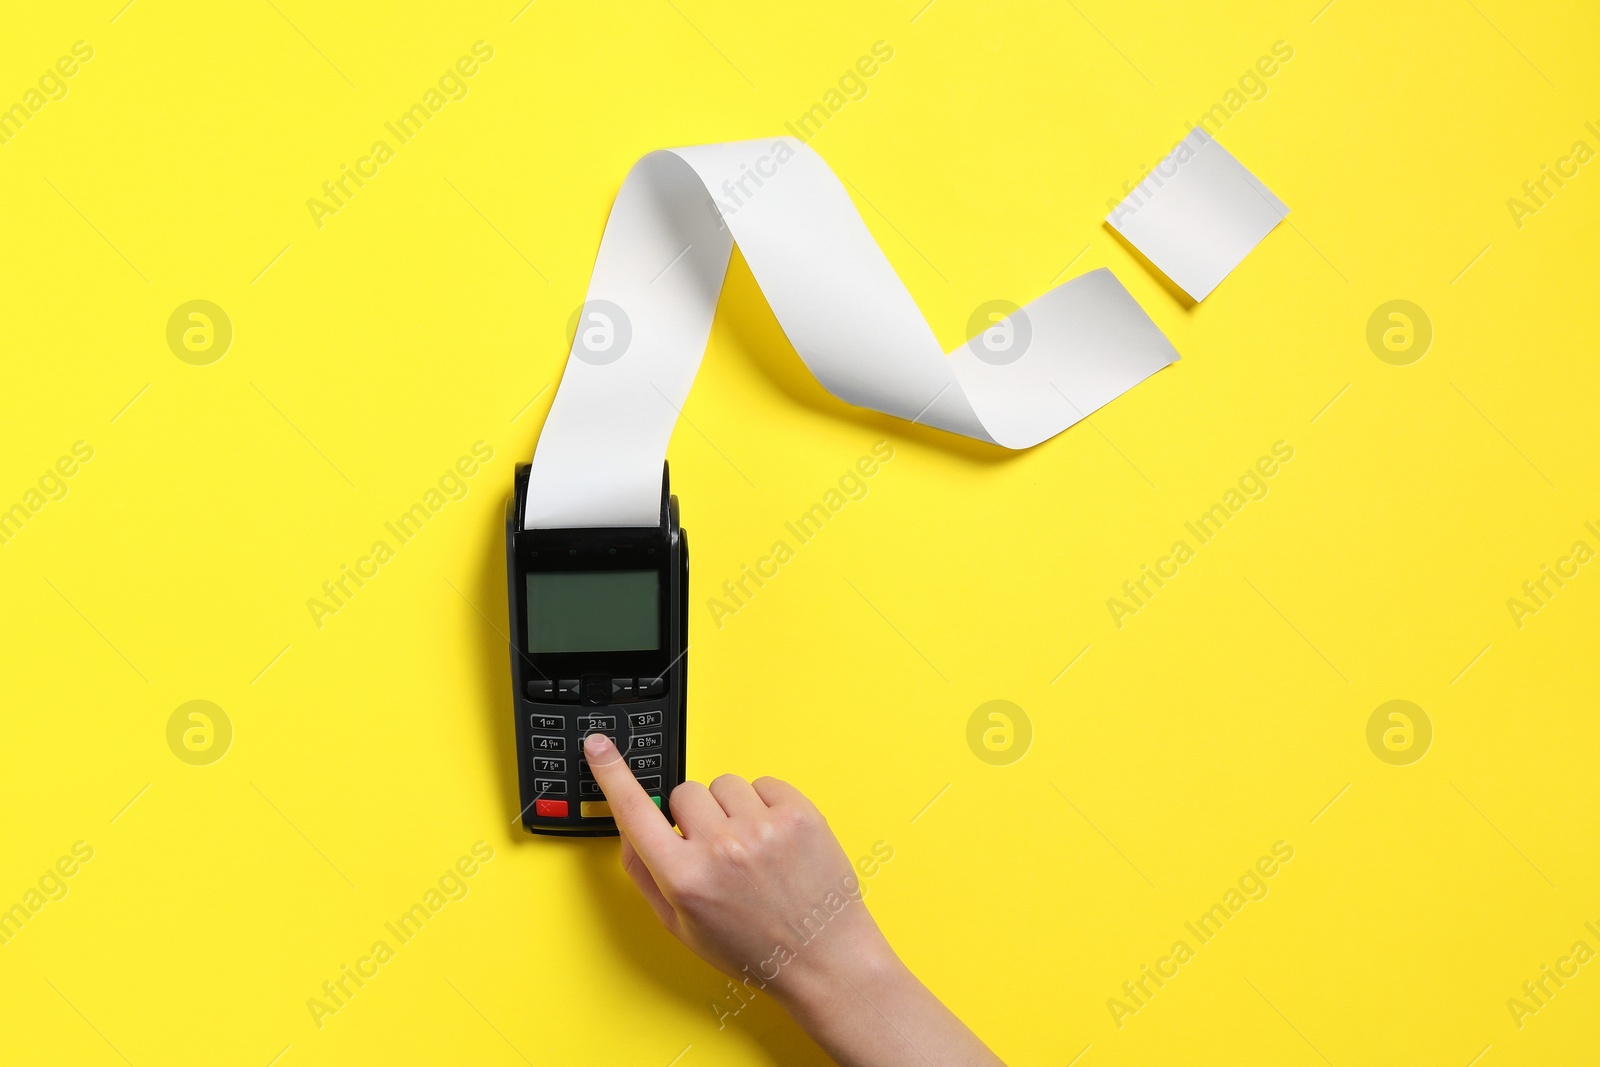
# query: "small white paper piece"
{"points": [[1198, 214], [1029, 374]]}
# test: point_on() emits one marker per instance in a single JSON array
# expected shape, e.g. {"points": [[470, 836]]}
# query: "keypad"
{"points": [[608, 707]]}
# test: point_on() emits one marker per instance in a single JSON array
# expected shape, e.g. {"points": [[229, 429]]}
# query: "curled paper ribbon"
{"points": [[641, 334]]}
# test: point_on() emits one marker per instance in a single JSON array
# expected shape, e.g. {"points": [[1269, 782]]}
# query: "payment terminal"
{"points": [[599, 636]]}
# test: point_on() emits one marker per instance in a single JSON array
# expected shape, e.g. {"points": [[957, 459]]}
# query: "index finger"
{"points": [[636, 814]]}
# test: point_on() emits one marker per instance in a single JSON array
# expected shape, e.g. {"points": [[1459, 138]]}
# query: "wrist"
{"points": [[834, 987]]}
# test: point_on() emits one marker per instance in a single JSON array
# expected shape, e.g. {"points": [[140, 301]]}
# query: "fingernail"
{"points": [[596, 744]]}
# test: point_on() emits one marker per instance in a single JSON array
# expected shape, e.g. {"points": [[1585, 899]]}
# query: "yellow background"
{"points": [[369, 754]]}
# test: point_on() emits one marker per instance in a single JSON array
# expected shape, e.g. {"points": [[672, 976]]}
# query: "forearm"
{"points": [[880, 1014]]}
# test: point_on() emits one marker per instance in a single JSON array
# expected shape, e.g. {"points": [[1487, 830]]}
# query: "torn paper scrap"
{"points": [[1197, 214]]}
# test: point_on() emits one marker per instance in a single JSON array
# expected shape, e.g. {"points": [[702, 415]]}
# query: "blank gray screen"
{"points": [[594, 611]]}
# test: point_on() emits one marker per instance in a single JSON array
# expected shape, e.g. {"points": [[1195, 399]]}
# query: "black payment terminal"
{"points": [[599, 635]]}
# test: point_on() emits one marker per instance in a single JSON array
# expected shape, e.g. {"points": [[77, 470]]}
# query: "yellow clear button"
{"points": [[600, 809]]}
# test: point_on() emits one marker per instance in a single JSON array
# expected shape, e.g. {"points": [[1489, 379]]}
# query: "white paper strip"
{"points": [[1198, 214], [643, 330]]}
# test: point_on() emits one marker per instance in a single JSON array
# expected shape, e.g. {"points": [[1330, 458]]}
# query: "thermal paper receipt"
{"points": [[1198, 214], [1027, 375]]}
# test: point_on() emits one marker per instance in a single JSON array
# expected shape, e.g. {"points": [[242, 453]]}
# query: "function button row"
{"points": [[594, 691]]}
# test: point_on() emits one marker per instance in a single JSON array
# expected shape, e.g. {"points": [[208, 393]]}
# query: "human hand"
{"points": [[758, 886], [753, 884]]}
